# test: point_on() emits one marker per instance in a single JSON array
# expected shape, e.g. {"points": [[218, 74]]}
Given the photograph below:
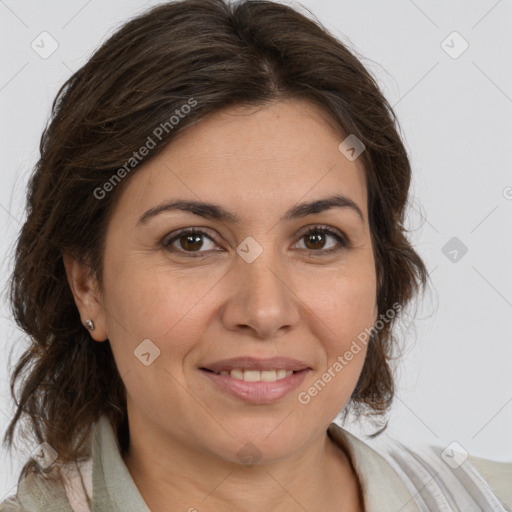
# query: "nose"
{"points": [[262, 299]]}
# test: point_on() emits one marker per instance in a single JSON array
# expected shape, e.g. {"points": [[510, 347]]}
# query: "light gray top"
{"points": [[393, 478]]}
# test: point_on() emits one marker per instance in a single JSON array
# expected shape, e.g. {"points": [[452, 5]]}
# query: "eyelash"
{"points": [[167, 242]]}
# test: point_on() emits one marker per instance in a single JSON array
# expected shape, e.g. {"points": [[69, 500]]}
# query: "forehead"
{"points": [[265, 157]]}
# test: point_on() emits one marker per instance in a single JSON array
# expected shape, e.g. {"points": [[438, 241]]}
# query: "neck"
{"points": [[320, 477]]}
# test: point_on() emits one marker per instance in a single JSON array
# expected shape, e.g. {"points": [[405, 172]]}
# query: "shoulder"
{"points": [[426, 477], [498, 475], [450, 476], [66, 489], [11, 504]]}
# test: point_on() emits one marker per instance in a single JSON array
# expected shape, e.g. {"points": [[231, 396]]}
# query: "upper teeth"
{"points": [[256, 375]]}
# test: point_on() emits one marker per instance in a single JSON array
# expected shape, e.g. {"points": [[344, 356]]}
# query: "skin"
{"points": [[292, 301]]}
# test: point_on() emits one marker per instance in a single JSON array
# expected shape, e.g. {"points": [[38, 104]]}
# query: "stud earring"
{"points": [[90, 324]]}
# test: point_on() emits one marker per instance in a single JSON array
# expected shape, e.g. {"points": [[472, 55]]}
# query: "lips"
{"points": [[254, 380]]}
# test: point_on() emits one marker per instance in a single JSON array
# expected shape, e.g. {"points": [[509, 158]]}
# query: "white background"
{"points": [[455, 379]]}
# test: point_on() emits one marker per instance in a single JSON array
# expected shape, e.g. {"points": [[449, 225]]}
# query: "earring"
{"points": [[90, 324]]}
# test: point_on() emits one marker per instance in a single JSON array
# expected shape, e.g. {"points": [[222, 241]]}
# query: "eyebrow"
{"points": [[217, 212]]}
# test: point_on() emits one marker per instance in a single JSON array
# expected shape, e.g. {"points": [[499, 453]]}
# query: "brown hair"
{"points": [[218, 54]]}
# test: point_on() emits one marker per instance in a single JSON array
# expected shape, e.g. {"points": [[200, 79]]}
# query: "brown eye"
{"points": [[188, 241], [316, 239]]}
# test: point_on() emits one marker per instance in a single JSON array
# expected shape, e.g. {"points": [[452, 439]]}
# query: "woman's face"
{"points": [[251, 284]]}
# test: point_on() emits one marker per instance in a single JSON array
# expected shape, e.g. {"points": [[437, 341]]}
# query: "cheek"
{"points": [[158, 304], [344, 308], [142, 299], [344, 316], [151, 304]]}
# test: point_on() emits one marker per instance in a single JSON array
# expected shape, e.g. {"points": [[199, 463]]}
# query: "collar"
{"points": [[113, 486], [382, 488]]}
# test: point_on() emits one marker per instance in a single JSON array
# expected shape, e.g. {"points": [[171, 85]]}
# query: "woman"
{"points": [[211, 267]]}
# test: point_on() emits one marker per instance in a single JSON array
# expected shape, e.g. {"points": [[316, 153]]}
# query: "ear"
{"points": [[87, 296]]}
